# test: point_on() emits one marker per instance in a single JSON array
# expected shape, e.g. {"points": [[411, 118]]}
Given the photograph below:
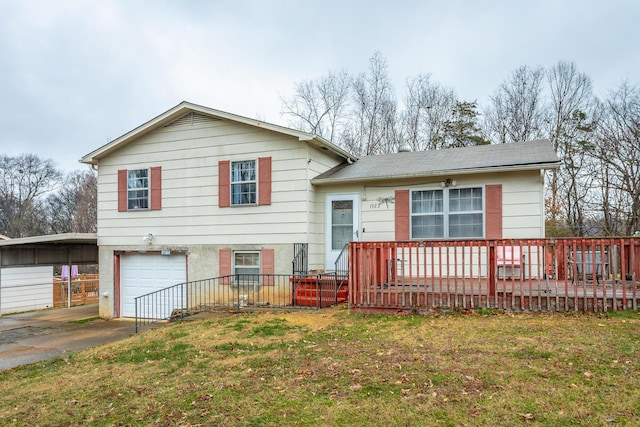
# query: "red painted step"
{"points": [[313, 302], [314, 292]]}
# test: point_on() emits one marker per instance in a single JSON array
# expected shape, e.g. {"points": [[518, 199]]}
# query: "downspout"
{"points": [[543, 225], [309, 195], [0, 283], [69, 279]]}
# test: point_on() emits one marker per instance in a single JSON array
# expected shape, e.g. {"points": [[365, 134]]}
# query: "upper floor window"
{"points": [[448, 213], [138, 189], [243, 182]]}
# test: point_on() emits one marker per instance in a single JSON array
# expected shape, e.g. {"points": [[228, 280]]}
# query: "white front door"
{"points": [[341, 225]]}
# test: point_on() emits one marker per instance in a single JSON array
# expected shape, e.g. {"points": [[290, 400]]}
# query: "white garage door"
{"points": [[141, 274]]}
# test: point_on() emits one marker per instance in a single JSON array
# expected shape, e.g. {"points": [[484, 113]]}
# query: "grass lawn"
{"points": [[330, 367]]}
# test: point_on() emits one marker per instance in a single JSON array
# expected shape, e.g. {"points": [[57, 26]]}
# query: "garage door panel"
{"points": [[141, 274]]}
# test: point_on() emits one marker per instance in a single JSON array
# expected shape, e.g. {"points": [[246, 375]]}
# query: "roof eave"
{"points": [[159, 120], [51, 238], [512, 168], [180, 109]]}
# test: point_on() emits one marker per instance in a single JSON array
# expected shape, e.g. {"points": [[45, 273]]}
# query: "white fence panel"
{"points": [[25, 289]]}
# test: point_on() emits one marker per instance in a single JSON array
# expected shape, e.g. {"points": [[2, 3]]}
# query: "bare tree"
{"points": [[320, 106], [373, 124], [516, 112], [570, 131], [86, 219], [428, 106], [618, 154], [24, 180], [73, 208]]}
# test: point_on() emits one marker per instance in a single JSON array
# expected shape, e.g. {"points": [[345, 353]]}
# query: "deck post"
{"points": [[492, 270], [635, 257]]}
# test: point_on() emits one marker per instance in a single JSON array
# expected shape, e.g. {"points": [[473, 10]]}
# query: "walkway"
{"points": [[31, 337]]}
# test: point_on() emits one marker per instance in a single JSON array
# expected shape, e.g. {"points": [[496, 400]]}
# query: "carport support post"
{"points": [[69, 288]]}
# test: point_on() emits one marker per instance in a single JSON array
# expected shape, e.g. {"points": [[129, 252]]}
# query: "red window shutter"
{"points": [[224, 183], [156, 188], [267, 265], [493, 204], [402, 214], [224, 266], [264, 181], [122, 190]]}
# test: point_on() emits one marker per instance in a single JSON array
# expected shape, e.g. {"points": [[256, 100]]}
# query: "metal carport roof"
{"points": [[55, 249]]}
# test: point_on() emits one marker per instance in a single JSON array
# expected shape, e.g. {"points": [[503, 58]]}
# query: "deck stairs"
{"points": [[322, 290], [319, 290]]}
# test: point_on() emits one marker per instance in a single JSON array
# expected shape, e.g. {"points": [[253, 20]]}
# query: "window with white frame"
{"points": [[448, 213], [138, 189], [243, 182], [246, 263]]}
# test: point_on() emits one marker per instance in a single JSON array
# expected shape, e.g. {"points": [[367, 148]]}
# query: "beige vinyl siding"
{"points": [[522, 200], [317, 253], [523, 206], [320, 162], [189, 155]]}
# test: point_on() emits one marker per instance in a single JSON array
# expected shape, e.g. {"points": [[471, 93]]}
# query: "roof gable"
{"points": [[186, 112], [460, 161]]}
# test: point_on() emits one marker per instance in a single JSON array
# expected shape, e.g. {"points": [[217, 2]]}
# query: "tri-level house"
{"points": [[197, 193]]}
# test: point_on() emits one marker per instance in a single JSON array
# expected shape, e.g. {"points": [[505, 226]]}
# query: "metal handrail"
{"points": [[300, 262], [233, 292], [342, 262]]}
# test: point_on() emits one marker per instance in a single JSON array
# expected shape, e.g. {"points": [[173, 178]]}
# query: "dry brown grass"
{"points": [[330, 367]]}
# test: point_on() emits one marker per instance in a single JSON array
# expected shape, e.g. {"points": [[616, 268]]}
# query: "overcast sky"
{"points": [[76, 74]]}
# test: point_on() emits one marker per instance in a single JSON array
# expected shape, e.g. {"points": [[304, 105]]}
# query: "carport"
{"points": [[56, 249]]}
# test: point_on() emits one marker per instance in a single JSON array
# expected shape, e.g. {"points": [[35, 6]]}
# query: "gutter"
{"points": [[427, 174]]}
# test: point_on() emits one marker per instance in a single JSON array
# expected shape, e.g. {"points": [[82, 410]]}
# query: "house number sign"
{"points": [[382, 201]]}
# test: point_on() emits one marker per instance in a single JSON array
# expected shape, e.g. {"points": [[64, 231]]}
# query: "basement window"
{"points": [[246, 263]]}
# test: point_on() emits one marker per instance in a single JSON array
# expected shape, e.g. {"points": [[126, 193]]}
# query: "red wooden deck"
{"points": [[550, 275]]}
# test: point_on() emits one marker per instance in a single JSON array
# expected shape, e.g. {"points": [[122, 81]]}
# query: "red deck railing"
{"points": [[509, 274]]}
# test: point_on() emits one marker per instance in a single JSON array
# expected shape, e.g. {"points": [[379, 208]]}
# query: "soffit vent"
{"points": [[191, 119]]}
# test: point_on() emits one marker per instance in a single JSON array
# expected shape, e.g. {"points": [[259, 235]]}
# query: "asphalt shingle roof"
{"points": [[476, 159]]}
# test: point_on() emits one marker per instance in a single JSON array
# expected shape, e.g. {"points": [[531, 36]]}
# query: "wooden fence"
{"points": [[518, 275], [84, 290]]}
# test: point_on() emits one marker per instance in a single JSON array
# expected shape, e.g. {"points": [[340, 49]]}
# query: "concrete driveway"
{"points": [[39, 335]]}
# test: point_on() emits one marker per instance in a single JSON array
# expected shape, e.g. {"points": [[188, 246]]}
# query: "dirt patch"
{"points": [[312, 319]]}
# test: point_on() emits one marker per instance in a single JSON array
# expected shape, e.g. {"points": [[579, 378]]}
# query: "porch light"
{"points": [[148, 238], [448, 183]]}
